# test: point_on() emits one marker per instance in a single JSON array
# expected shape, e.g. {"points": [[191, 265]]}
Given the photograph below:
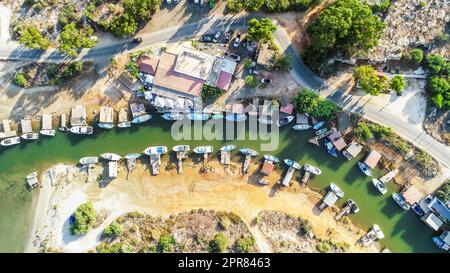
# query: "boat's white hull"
{"points": [[82, 130], [88, 160], [10, 141], [111, 156], [157, 150], [29, 136], [49, 132], [379, 186], [301, 127]]}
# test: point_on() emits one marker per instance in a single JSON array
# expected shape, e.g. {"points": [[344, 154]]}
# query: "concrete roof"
{"points": [[194, 63]]}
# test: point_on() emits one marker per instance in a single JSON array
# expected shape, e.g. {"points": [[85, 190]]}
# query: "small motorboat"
{"points": [[365, 169], [335, 188], [312, 169], [217, 116], [321, 131], [301, 127], [29, 136], [247, 151], [263, 182], [292, 164], [236, 117], [156, 150], [197, 116], [82, 130], [374, 234], [31, 175], [228, 148], [106, 125], [379, 185], [271, 158], [330, 148], [203, 149], [173, 116], [400, 200], [125, 124], [132, 156], [417, 209], [141, 119], [265, 120], [318, 125], [440, 243], [10, 141], [88, 160], [389, 176], [111, 156], [48, 132], [285, 120], [181, 148], [353, 206]]}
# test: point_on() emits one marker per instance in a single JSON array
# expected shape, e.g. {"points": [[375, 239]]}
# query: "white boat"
{"points": [[262, 182], [379, 185], [400, 200], [374, 234], [312, 169], [318, 125], [292, 164], [353, 206], [48, 132], [365, 169], [88, 160], [321, 131], [265, 120], [181, 148], [271, 158], [285, 120], [132, 156], [335, 188], [46, 126], [247, 151], [125, 124], [142, 119], [82, 130], [203, 149], [106, 125], [197, 116], [10, 141], [236, 117], [301, 127], [31, 175], [111, 156], [173, 116], [29, 136], [155, 150], [228, 148]]}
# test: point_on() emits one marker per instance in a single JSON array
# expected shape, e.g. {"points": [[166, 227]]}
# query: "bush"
{"points": [[261, 30], [381, 6], [68, 15], [113, 230], [245, 245], [248, 63], [326, 109], [73, 39], [224, 222], [363, 132], [32, 38], [397, 84], [123, 25], [415, 55], [218, 244], [209, 91], [380, 131], [113, 248], [235, 6], [368, 80], [251, 82], [444, 192], [323, 247], [308, 101], [84, 218], [436, 64], [282, 62], [166, 242], [20, 79]]}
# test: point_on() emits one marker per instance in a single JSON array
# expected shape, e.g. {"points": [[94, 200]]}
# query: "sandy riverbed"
{"points": [[65, 188]]}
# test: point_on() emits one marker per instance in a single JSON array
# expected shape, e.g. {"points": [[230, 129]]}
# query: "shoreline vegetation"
{"points": [[156, 213]]}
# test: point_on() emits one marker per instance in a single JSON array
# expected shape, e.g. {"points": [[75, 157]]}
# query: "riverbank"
{"points": [[222, 189]]}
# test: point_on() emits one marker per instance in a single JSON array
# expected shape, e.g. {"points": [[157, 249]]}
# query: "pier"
{"points": [[155, 162], [344, 212], [180, 156], [305, 178], [247, 161], [131, 165], [225, 157]]}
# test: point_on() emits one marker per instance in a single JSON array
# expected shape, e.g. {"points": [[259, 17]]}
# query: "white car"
{"points": [[216, 37], [168, 2], [237, 41]]}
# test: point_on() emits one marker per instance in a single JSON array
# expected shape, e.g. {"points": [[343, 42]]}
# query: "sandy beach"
{"points": [[65, 187]]}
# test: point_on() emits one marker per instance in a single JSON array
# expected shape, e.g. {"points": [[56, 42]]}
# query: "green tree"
{"points": [[250, 81], [444, 192], [436, 63], [84, 218], [368, 80], [306, 101], [438, 85], [254, 5], [32, 38], [362, 131], [325, 109], [73, 39], [415, 55], [68, 15], [114, 229], [245, 244], [248, 63], [261, 30], [235, 6], [20, 79], [140, 9], [397, 84], [166, 242], [123, 25], [283, 62], [218, 244]]}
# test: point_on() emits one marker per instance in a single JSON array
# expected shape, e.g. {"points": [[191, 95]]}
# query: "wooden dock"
{"points": [[305, 178], [180, 156], [155, 162], [315, 140], [131, 165], [247, 161], [287, 177], [225, 157], [344, 212]]}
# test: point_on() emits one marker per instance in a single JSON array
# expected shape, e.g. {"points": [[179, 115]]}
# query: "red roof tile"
{"points": [[148, 65]]}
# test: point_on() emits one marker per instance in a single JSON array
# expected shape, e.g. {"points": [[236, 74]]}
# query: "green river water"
{"points": [[403, 230]]}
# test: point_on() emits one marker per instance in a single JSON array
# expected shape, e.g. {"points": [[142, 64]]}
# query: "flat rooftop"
{"points": [[194, 63]]}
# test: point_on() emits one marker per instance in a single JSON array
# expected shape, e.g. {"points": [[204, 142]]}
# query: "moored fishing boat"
{"points": [[156, 150], [173, 116], [301, 127], [46, 126], [379, 185], [82, 130], [374, 234], [248, 151], [285, 120], [271, 158], [318, 125], [88, 160], [321, 131], [353, 206], [365, 169], [228, 148], [203, 149], [417, 209], [330, 148], [111, 156], [292, 164], [236, 117], [124, 124], [141, 119], [10, 141], [181, 148], [29, 136], [335, 188], [105, 125], [312, 169], [132, 156], [265, 120], [400, 200], [197, 116]]}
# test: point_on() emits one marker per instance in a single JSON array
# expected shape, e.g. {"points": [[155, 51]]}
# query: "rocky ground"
{"points": [[437, 124]]}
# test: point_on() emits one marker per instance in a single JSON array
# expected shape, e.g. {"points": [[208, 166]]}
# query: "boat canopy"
{"points": [[372, 159], [337, 140], [330, 198], [78, 116], [432, 221], [353, 149], [7, 130], [106, 114], [412, 195], [46, 122]]}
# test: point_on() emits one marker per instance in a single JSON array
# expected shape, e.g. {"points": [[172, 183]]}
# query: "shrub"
{"points": [[444, 192], [368, 80], [283, 62], [235, 6], [20, 79], [123, 25], [326, 109], [261, 30], [32, 38], [245, 245], [436, 64], [363, 132], [68, 15], [113, 248], [380, 131], [415, 55], [73, 39], [307, 101], [224, 222], [84, 218], [248, 63], [251, 82], [209, 91], [113, 230], [323, 247], [218, 244], [397, 84], [166, 242]]}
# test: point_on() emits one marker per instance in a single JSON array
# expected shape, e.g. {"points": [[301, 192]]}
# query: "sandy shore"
{"points": [[65, 188]]}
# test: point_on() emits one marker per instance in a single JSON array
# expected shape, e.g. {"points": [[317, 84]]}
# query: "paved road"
{"points": [[300, 72]]}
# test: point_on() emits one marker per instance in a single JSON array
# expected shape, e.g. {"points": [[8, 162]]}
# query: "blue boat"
{"points": [[236, 117], [173, 116], [417, 209], [292, 163], [247, 151], [197, 116], [132, 156], [228, 148], [156, 150], [318, 125], [271, 158], [365, 169], [105, 125], [142, 119], [330, 148]]}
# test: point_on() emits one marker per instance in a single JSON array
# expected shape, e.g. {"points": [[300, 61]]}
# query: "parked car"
{"points": [[217, 36], [253, 71], [206, 39], [168, 2], [228, 36], [266, 80], [233, 56], [137, 40], [237, 40]]}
